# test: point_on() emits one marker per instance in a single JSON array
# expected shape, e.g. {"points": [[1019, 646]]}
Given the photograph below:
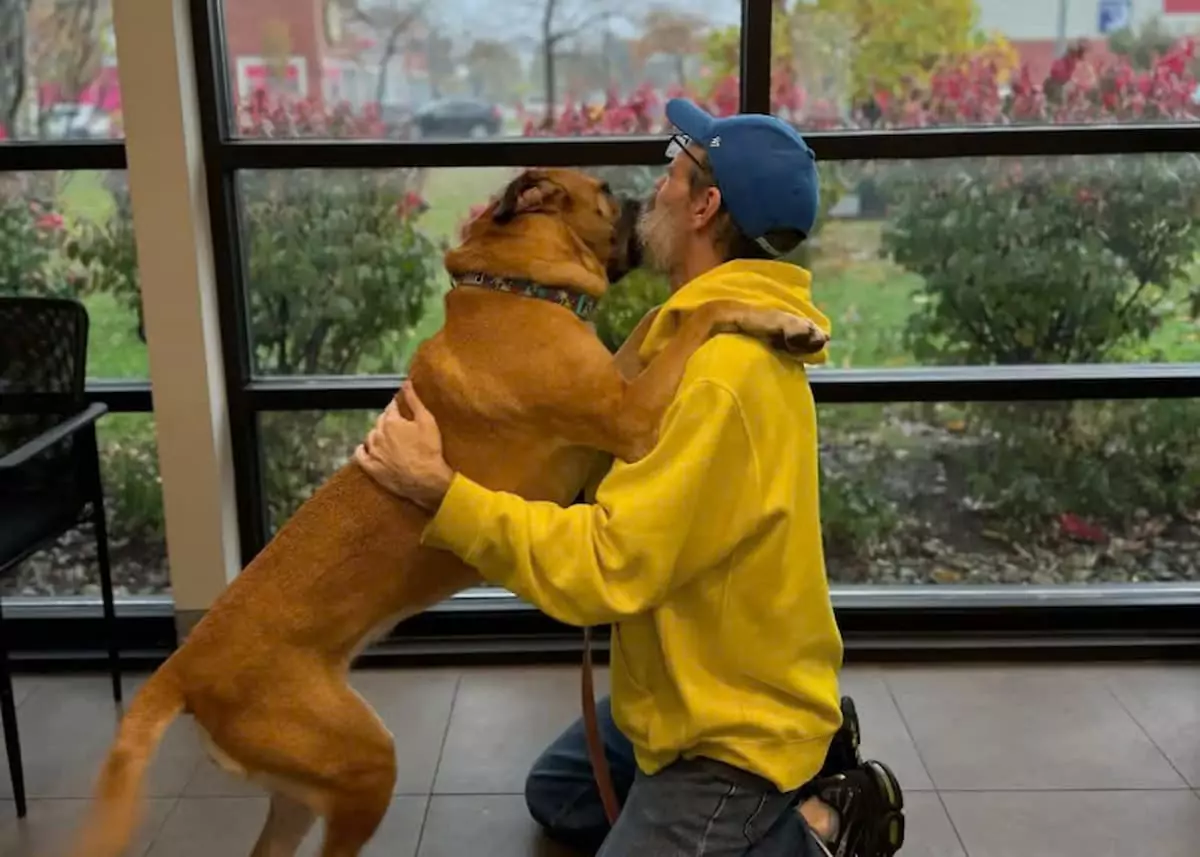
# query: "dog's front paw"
{"points": [[783, 331], [797, 335]]}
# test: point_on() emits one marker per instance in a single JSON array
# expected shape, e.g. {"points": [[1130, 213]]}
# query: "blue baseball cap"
{"points": [[765, 171]]}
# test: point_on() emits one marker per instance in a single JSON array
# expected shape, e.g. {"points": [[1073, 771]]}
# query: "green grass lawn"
{"points": [[114, 350], [450, 193], [868, 299]]}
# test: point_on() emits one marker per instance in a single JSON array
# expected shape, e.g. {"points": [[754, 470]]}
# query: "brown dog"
{"points": [[525, 394]]}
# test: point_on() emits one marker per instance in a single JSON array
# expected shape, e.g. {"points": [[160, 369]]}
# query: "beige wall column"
{"points": [[174, 242]]}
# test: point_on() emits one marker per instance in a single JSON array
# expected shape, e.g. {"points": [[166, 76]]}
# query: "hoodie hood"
{"points": [[763, 284]]}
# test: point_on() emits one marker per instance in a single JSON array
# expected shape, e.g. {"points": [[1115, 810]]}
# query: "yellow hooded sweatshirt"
{"points": [[705, 555]]}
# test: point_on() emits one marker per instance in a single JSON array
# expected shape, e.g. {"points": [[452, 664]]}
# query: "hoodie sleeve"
{"points": [[620, 556]]}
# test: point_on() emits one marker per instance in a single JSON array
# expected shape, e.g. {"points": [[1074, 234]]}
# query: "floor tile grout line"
{"points": [[162, 826], [437, 767], [204, 758], [887, 686], [1137, 722], [891, 692]]}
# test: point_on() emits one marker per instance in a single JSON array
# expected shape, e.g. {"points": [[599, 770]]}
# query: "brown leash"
{"points": [[600, 770]]}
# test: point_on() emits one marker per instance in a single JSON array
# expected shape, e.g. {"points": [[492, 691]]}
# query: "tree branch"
{"points": [[575, 29]]}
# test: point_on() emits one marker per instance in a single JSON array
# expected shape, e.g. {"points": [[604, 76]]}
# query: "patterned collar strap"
{"points": [[582, 305]]}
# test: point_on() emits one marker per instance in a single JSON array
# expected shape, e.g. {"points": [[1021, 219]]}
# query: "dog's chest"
{"points": [[484, 398]]}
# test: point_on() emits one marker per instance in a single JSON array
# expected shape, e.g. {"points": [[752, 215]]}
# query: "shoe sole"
{"points": [[889, 832]]}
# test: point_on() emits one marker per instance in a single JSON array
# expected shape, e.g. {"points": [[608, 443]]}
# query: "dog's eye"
{"points": [[606, 188]]}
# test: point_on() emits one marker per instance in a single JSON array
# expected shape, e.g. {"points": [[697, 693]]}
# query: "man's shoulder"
{"points": [[736, 361]]}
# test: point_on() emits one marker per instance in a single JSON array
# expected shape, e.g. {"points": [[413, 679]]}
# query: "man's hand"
{"points": [[405, 456]]}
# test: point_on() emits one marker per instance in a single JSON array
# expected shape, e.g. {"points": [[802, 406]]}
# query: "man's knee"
{"points": [[568, 810], [543, 796]]}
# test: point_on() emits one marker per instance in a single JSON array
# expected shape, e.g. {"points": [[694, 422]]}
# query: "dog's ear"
{"points": [[532, 190]]}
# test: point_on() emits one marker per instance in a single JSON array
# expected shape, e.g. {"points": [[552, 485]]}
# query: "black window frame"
{"points": [[992, 619], [882, 622]]}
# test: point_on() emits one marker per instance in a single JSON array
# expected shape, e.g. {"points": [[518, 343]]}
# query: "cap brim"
{"points": [[690, 120]]}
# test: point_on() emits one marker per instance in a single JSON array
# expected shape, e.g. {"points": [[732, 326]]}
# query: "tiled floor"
{"points": [[1092, 761]]}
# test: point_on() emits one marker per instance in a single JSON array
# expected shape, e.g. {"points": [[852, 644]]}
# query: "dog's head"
{"points": [[604, 225]]}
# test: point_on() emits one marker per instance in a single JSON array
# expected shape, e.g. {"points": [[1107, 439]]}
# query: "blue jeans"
{"points": [[695, 807]]}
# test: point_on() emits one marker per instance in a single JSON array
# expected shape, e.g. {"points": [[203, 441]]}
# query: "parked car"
{"points": [[457, 117]]}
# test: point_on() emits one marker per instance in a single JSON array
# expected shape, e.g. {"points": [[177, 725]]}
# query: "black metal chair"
{"points": [[49, 463]]}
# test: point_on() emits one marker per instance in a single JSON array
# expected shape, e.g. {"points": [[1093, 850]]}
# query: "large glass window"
{"points": [[1047, 493], [407, 70], [136, 528], [70, 234], [989, 262], [880, 64], [58, 71], [978, 261]]}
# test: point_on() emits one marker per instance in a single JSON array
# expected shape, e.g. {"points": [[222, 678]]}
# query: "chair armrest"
{"points": [[50, 437]]}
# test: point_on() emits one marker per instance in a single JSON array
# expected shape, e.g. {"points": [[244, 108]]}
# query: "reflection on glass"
{"points": [[988, 261], [1025, 493], [70, 234], [58, 71], [472, 69], [882, 64], [136, 532]]}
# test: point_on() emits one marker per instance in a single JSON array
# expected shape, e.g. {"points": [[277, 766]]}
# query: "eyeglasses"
{"points": [[679, 144]]}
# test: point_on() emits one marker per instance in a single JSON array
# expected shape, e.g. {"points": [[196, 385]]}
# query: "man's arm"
{"points": [[594, 564]]}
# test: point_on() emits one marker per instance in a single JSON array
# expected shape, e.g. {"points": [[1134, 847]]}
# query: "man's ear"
{"points": [[706, 206], [530, 191]]}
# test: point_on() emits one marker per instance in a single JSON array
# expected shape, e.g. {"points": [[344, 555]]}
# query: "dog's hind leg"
{"points": [[353, 818], [332, 753], [288, 822]]}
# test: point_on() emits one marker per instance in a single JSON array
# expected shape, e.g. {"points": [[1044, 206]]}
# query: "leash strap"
{"points": [[595, 743], [583, 306]]}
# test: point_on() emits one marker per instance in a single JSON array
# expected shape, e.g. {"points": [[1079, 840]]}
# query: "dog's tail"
{"points": [[117, 803]]}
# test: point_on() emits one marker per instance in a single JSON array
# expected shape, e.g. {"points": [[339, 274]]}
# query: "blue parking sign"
{"points": [[1114, 15]]}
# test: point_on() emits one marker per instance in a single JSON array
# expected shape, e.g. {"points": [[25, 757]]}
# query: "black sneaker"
{"points": [[844, 753], [870, 807]]}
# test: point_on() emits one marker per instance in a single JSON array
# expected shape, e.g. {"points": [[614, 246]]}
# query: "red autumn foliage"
{"points": [[974, 90], [266, 115], [1074, 527]]}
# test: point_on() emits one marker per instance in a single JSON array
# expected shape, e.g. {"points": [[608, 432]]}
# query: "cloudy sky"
{"points": [[521, 19]]}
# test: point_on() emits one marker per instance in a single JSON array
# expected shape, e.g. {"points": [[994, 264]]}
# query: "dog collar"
{"points": [[582, 305]]}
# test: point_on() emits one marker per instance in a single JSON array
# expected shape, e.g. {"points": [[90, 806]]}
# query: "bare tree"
{"points": [[393, 22], [562, 20]]}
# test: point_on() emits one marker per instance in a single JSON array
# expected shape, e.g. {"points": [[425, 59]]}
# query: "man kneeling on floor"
{"points": [[724, 731]]}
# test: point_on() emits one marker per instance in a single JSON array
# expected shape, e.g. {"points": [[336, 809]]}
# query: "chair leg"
{"points": [[12, 740], [100, 524]]}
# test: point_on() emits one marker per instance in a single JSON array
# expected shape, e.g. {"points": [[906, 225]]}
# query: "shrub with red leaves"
{"points": [[1054, 260], [265, 115], [31, 236]]}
